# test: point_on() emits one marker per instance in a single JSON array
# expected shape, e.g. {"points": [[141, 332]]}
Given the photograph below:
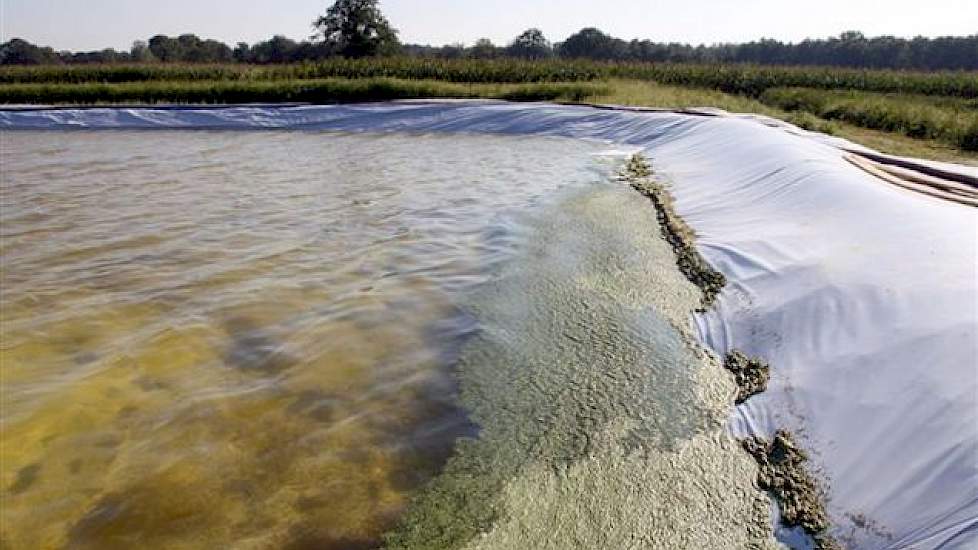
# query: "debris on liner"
{"points": [[750, 373], [782, 473]]}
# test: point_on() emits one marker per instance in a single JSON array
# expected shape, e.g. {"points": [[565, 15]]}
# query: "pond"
{"points": [[215, 339]]}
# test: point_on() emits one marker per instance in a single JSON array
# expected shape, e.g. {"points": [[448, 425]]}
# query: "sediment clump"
{"points": [[638, 173], [782, 473], [750, 373]]}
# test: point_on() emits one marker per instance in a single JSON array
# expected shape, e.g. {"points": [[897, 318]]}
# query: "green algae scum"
{"points": [[313, 340], [602, 420]]}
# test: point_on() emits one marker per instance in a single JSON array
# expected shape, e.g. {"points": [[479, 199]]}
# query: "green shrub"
{"points": [[968, 139]]}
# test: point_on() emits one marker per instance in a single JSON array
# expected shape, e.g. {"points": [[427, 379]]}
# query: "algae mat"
{"points": [[602, 422]]}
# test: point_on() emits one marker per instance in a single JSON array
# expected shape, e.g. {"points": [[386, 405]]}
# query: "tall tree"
{"points": [[22, 52], [530, 45], [242, 53], [357, 28], [277, 50], [140, 52], [483, 49], [592, 43]]}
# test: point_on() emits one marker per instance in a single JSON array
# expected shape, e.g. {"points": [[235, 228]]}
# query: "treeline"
{"points": [[851, 49]]}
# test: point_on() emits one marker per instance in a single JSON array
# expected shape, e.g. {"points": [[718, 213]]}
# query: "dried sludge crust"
{"points": [[783, 474], [751, 374]]}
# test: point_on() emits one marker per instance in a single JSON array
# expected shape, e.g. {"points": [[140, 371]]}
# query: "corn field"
{"points": [[747, 80]]}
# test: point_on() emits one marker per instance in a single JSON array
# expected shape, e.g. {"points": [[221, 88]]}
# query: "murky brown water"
{"points": [[242, 339]]}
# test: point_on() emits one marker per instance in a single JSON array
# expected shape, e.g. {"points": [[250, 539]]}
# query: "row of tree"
{"points": [[850, 49], [357, 28]]}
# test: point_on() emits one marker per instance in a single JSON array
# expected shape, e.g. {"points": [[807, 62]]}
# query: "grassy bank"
{"points": [[953, 122], [753, 80], [331, 90], [638, 93]]}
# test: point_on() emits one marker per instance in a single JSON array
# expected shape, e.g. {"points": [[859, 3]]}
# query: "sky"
{"points": [[95, 24]]}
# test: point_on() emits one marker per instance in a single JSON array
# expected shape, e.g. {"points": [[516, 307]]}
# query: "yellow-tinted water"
{"points": [[241, 339]]}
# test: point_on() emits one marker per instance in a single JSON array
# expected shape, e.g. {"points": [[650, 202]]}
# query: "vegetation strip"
{"points": [[638, 173], [332, 90], [739, 79], [954, 121]]}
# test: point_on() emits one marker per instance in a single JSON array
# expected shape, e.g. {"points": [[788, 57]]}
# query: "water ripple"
{"points": [[212, 338]]}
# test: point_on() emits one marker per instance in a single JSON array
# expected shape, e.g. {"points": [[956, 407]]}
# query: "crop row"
{"points": [[330, 90], [749, 80], [754, 80], [477, 71]]}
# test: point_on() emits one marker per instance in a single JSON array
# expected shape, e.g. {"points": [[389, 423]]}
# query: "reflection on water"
{"points": [[214, 339]]}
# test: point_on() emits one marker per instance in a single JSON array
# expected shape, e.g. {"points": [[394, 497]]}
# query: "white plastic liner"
{"points": [[863, 296]]}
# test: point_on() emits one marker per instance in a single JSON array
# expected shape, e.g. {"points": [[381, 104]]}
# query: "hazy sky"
{"points": [[95, 24]]}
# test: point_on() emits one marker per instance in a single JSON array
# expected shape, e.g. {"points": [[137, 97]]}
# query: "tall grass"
{"points": [[477, 71], [754, 80], [920, 117], [331, 90], [749, 80], [650, 94]]}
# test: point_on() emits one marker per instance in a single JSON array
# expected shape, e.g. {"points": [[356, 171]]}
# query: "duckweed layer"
{"points": [[602, 422]]}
